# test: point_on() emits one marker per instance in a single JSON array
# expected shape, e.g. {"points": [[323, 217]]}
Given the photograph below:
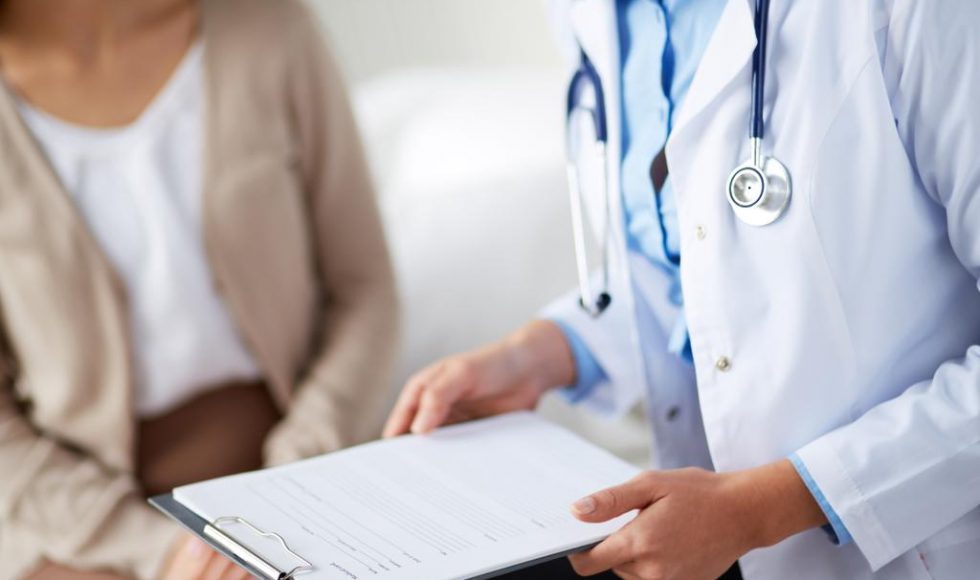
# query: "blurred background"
{"points": [[460, 102], [374, 37]]}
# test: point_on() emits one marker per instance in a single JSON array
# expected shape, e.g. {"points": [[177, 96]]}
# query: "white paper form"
{"points": [[467, 500]]}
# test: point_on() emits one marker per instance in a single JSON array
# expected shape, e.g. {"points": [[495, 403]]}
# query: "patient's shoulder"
{"points": [[257, 52], [271, 27]]}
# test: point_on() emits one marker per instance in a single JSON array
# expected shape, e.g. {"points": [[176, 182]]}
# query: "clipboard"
{"points": [[365, 512], [258, 565], [227, 545]]}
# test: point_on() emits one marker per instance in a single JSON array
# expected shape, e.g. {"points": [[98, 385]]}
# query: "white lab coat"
{"points": [[852, 324]]}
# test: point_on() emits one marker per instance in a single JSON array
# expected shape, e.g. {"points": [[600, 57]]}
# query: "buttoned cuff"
{"points": [[588, 371], [836, 529]]}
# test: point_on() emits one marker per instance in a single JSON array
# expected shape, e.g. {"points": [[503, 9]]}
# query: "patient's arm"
{"points": [[84, 514], [340, 400]]}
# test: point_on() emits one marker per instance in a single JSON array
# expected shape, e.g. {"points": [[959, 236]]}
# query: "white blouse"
{"points": [[139, 188]]}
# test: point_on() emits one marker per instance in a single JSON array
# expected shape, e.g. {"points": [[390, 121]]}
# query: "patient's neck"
{"points": [[94, 62], [85, 30]]}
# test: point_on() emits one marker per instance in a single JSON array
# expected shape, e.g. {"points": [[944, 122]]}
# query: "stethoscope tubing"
{"points": [[587, 76], [757, 129]]}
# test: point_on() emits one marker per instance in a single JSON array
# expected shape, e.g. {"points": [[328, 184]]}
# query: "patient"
{"points": [[193, 277]]}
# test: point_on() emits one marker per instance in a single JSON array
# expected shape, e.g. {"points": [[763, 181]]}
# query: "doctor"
{"points": [[805, 333]]}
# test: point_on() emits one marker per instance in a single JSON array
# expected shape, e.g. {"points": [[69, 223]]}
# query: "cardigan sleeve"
{"points": [[66, 505], [340, 401]]}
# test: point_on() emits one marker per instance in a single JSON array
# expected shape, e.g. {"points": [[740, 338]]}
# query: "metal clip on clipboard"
{"points": [[215, 532]]}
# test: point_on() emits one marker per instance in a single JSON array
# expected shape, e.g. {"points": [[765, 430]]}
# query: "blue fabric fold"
{"points": [[588, 371], [836, 530]]}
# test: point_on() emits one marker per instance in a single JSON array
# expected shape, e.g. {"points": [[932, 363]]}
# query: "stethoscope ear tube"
{"points": [[585, 78], [594, 303]]}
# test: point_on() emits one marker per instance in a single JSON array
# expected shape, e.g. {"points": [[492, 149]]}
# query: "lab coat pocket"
{"points": [[954, 553], [952, 562]]}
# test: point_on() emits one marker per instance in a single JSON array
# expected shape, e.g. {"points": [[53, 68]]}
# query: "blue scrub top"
{"points": [[661, 44]]}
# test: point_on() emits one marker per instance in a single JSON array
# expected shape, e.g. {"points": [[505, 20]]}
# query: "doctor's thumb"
{"points": [[614, 501]]}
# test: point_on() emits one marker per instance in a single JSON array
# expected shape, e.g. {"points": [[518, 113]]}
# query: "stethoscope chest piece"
{"points": [[759, 191]]}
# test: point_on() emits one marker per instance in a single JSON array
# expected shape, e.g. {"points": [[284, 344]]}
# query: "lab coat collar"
{"points": [[728, 53]]}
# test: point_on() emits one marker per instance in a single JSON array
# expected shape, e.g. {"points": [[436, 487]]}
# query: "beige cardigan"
{"points": [[297, 251]]}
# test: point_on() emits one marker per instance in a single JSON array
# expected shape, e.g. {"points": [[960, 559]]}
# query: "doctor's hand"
{"points": [[693, 524], [508, 375]]}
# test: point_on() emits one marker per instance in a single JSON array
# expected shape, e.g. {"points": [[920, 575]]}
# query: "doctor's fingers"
{"points": [[440, 395], [428, 399], [614, 551], [625, 573], [402, 415], [407, 407], [641, 571], [615, 501]]}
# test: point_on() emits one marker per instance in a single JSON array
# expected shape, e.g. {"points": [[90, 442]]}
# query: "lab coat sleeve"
{"points": [[614, 371], [588, 372], [835, 528], [609, 340], [909, 467]]}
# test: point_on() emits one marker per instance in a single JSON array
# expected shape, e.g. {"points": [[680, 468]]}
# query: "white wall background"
{"points": [[376, 36]]}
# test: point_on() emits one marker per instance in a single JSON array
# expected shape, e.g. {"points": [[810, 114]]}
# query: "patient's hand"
{"points": [[510, 375], [192, 559]]}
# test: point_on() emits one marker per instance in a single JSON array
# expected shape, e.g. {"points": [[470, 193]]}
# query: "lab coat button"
{"points": [[700, 232], [673, 412], [723, 364]]}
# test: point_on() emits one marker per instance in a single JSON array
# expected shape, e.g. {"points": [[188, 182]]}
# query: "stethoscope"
{"points": [[759, 190]]}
